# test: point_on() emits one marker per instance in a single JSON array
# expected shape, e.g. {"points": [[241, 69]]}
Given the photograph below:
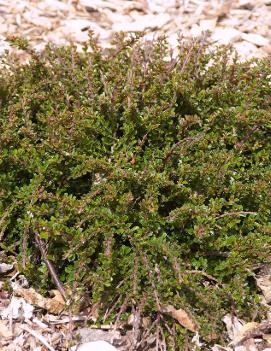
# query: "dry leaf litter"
{"points": [[29, 321]]}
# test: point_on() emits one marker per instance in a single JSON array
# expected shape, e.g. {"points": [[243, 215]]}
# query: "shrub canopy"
{"points": [[147, 177]]}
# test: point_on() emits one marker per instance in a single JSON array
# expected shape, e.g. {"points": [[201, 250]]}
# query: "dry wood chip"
{"points": [[54, 305], [182, 317]]}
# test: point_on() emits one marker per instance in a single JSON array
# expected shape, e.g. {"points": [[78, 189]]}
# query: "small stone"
{"points": [[5, 331], [36, 20], [17, 308], [255, 39], [3, 28], [208, 24], [231, 22], [77, 29], [92, 334], [143, 22], [116, 17], [247, 50], [5, 268], [226, 35], [56, 37], [195, 31], [53, 5], [76, 25], [160, 5], [94, 346], [267, 49]]}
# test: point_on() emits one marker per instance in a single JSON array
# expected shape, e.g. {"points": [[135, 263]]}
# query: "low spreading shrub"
{"points": [[146, 178]]}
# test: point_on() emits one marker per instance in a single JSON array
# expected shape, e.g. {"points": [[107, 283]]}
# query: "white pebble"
{"points": [[94, 346]]}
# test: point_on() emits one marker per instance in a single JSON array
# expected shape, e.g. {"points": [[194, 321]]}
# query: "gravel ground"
{"points": [[245, 24]]}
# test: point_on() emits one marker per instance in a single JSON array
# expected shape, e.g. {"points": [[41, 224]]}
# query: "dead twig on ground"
{"points": [[38, 336]]}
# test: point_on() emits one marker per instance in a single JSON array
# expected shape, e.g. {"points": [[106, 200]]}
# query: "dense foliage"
{"points": [[147, 177]]}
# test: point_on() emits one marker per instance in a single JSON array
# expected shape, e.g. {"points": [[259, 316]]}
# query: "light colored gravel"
{"points": [[246, 24]]}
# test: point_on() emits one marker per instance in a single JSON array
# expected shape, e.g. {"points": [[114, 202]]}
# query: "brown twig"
{"points": [[38, 336], [136, 326], [50, 267], [208, 276], [219, 284], [188, 56], [241, 143], [146, 334], [123, 308], [135, 275], [110, 310], [179, 143], [177, 270], [150, 275], [137, 322]]}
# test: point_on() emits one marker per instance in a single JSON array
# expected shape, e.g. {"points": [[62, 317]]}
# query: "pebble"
{"points": [[77, 30], [143, 22], [94, 346], [226, 35], [5, 268], [247, 50], [256, 39]]}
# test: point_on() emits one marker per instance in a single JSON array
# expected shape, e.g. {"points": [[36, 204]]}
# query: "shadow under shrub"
{"points": [[147, 177]]}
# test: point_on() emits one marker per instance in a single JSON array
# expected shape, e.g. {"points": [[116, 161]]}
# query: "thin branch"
{"points": [[137, 322], [123, 308], [177, 270], [50, 267], [150, 275], [110, 310], [179, 143], [66, 319], [188, 56], [210, 277], [146, 334], [249, 134], [38, 336]]}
